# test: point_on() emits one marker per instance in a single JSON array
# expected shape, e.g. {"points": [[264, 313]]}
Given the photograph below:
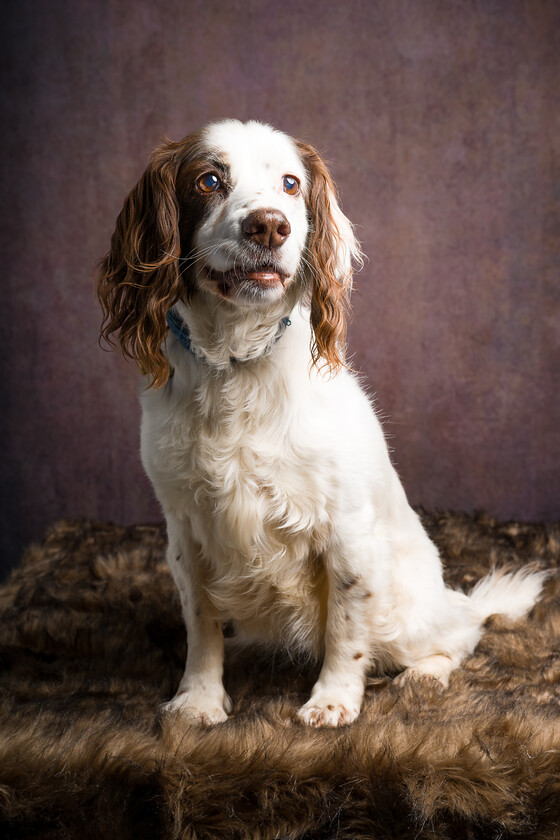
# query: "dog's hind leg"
{"points": [[438, 665]]}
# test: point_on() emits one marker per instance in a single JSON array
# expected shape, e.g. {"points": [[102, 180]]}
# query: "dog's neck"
{"points": [[222, 334]]}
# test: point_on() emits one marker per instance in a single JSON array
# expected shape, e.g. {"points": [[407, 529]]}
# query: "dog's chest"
{"points": [[256, 506], [259, 498], [245, 478]]}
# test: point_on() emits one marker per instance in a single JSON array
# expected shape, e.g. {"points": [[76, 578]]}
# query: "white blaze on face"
{"points": [[257, 159]]}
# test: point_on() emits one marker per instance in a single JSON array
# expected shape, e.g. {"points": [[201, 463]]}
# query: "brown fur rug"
{"points": [[92, 640]]}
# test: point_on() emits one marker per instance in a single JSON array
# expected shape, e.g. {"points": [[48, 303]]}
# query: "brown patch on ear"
{"points": [[139, 279], [330, 291]]}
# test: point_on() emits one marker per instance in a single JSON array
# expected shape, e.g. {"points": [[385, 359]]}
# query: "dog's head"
{"points": [[237, 211]]}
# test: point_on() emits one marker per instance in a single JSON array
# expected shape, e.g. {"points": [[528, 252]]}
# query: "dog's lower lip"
{"points": [[266, 277]]}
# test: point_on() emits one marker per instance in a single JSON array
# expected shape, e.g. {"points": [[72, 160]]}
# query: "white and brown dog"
{"points": [[230, 267]]}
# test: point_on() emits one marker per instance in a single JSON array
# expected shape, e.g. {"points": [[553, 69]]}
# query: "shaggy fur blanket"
{"points": [[92, 640]]}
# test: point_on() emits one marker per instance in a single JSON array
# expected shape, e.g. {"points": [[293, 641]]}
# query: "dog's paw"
{"points": [[415, 676], [200, 707], [437, 667], [329, 710]]}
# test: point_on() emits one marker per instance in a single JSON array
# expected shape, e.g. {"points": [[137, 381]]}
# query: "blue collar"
{"points": [[183, 336], [179, 330]]}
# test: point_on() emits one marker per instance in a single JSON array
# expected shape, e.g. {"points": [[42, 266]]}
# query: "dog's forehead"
{"points": [[253, 146]]}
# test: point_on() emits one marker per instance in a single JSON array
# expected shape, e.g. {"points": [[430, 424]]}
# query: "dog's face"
{"points": [[237, 211], [251, 201]]}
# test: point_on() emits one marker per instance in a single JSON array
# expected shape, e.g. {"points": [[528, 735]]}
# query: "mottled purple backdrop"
{"points": [[441, 122]]}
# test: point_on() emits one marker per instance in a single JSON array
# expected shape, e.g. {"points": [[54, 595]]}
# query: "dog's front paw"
{"points": [[200, 706], [329, 709]]}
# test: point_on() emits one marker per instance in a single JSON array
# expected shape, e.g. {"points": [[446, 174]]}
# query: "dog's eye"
{"points": [[290, 184], [209, 183]]}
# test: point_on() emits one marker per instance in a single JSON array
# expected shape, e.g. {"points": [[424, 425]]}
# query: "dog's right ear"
{"points": [[139, 280]]}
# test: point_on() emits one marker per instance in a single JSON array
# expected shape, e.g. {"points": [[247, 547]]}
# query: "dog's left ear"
{"points": [[332, 253]]}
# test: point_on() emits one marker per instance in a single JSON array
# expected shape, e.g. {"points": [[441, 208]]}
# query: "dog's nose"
{"points": [[267, 227]]}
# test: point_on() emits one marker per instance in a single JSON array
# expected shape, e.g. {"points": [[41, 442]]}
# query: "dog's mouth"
{"points": [[254, 281]]}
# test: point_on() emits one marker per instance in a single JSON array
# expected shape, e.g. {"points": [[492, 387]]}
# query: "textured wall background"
{"points": [[441, 120]]}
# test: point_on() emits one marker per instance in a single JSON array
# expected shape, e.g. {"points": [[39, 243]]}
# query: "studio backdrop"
{"points": [[440, 119]]}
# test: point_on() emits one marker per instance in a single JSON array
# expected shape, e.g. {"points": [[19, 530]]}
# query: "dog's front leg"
{"points": [[200, 695], [337, 695]]}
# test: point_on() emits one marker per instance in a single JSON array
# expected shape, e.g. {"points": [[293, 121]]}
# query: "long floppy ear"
{"points": [[332, 252], [139, 280]]}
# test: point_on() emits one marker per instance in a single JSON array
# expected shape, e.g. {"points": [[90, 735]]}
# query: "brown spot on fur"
{"points": [[349, 582], [358, 655]]}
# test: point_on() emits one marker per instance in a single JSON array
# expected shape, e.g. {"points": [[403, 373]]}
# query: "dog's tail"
{"points": [[508, 593]]}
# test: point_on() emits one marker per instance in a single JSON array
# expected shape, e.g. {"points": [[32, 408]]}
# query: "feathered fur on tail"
{"points": [[508, 593]]}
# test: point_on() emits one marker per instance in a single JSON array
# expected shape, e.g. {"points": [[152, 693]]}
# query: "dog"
{"points": [[228, 280]]}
